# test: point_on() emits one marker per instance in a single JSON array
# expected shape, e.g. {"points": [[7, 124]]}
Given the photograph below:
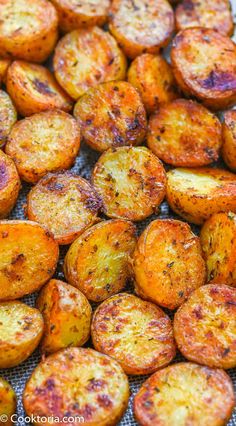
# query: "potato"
{"points": [[141, 27], [67, 316], [137, 334], [204, 65], [4, 65], [8, 116], [45, 142], [185, 394], [111, 115], [152, 76], [9, 185], [97, 263], [168, 263], [28, 29], [28, 258], [21, 328], [229, 139], [86, 57], [196, 194], [218, 240], [34, 89], [184, 133], [79, 383], [7, 401], [130, 181]]}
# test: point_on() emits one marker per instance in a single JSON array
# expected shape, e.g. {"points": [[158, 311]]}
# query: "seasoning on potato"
{"points": [[7, 401], [8, 116], [204, 65], [45, 142], [85, 58], [229, 139], [9, 185], [86, 383], [136, 333], [4, 65], [111, 115], [131, 182], [33, 89], [28, 258], [185, 394], [196, 194], [98, 262], [184, 133]]}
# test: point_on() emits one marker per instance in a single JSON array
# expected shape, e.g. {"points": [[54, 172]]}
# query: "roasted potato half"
{"points": [[45, 142], [8, 116], [9, 185], [33, 89], [7, 401], [196, 194], [21, 328], [84, 382], [204, 65], [111, 115], [184, 133], [28, 29], [229, 139], [185, 394], [168, 263], [4, 65], [86, 57], [67, 316], [136, 333], [97, 263], [141, 27], [131, 182], [28, 258]]}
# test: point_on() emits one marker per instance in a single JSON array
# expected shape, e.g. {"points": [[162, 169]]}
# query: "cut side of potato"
{"points": [[7, 401], [8, 116], [9, 184], [229, 139]]}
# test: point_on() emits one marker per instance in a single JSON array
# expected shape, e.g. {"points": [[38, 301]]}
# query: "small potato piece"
{"points": [[8, 116], [168, 263], [28, 258], [67, 316], [184, 133], [153, 78], [196, 194], [45, 142], [136, 333], [229, 139], [7, 401], [9, 185], [84, 382], [64, 203], [28, 29], [33, 89], [130, 181], [204, 65], [85, 58], [4, 65], [21, 328], [111, 115], [185, 394], [141, 27]]}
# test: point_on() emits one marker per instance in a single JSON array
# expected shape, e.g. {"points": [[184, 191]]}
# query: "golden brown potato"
{"points": [[21, 328], [85, 58], [168, 263], [130, 181], [184, 133], [7, 401], [28, 258], [87, 384], [98, 261], [196, 194], [34, 89], [218, 240], [8, 116], [185, 394], [111, 115], [67, 316], [65, 203], [9, 185], [229, 139], [141, 27], [4, 65], [28, 29], [204, 65], [205, 326], [136, 333], [45, 142]]}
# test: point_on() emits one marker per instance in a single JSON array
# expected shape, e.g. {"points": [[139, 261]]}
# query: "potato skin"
{"points": [[34, 89], [84, 382], [196, 194], [67, 316], [197, 395], [25, 267], [184, 133], [229, 139], [7, 400], [9, 185], [4, 65], [85, 58], [120, 121], [8, 116]]}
